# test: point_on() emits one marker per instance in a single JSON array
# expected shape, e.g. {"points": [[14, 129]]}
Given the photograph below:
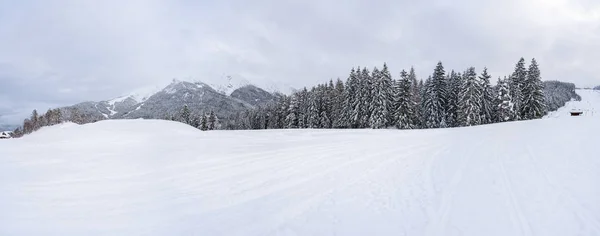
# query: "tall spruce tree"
{"points": [[517, 80], [421, 107], [355, 89], [291, 120], [313, 110], [505, 106], [380, 103], [487, 98], [430, 106], [405, 106], [533, 106], [416, 95], [470, 99], [454, 85], [366, 97], [350, 94], [338, 106], [439, 94]]}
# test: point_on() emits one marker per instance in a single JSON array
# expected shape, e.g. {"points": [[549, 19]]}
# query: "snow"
{"points": [[141, 94], [227, 84], [152, 177], [119, 99]]}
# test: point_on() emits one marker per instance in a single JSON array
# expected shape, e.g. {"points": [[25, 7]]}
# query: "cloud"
{"points": [[61, 52]]}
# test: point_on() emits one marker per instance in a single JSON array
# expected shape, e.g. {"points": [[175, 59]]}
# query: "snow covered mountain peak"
{"points": [[227, 84]]}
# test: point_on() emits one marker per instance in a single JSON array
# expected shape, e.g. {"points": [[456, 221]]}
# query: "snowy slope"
{"points": [[144, 177], [589, 105]]}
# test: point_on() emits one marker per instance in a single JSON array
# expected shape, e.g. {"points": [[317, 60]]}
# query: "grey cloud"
{"points": [[66, 51]]}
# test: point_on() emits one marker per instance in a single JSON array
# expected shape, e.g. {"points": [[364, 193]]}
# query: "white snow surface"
{"points": [[151, 177]]}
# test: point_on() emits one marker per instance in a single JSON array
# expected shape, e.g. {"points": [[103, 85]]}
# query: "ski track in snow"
{"points": [[147, 177]]}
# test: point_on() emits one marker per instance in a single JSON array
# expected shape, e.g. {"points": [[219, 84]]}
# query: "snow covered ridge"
{"points": [[158, 103], [153, 177]]}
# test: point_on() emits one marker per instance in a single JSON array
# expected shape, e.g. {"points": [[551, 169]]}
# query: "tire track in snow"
{"points": [[581, 212], [523, 224], [431, 213], [385, 159], [437, 227]]}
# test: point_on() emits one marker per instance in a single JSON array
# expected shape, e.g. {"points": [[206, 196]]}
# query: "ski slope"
{"points": [[145, 177]]}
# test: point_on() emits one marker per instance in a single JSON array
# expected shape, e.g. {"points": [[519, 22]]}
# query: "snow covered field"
{"points": [[136, 177]]}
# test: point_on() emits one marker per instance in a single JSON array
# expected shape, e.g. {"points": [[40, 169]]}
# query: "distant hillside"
{"points": [[199, 97]]}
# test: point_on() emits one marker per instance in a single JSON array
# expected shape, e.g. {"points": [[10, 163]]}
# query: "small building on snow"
{"points": [[576, 112]]}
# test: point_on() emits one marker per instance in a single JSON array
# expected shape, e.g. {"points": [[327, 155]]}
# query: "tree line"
{"points": [[206, 121], [373, 99]]}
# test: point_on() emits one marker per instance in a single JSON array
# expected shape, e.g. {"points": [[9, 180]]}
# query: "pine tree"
{"points": [[405, 106], [58, 117], [303, 104], [35, 120], [470, 99], [291, 120], [203, 123], [338, 106], [533, 106], [366, 98], [185, 115], [517, 80], [417, 96], [430, 105], [505, 108], [212, 121], [439, 95], [454, 85], [380, 102], [421, 105], [313, 110], [352, 101], [487, 98]]}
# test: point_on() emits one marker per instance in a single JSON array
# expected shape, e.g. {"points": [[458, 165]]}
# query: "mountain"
{"points": [[253, 95], [198, 96]]}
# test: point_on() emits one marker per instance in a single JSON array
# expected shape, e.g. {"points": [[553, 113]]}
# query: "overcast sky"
{"points": [[61, 52]]}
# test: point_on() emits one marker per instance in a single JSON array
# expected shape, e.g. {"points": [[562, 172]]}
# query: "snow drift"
{"points": [[148, 177]]}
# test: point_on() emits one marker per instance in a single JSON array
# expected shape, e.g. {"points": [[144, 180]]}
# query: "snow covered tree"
{"points": [[212, 121], [303, 104], [505, 108], [487, 98], [313, 110], [430, 105], [350, 114], [454, 85], [438, 93], [35, 120], [203, 123], [366, 97], [185, 114], [380, 103], [417, 96], [405, 106], [534, 105], [517, 80], [470, 99], [291, 120], [339, 105]]}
